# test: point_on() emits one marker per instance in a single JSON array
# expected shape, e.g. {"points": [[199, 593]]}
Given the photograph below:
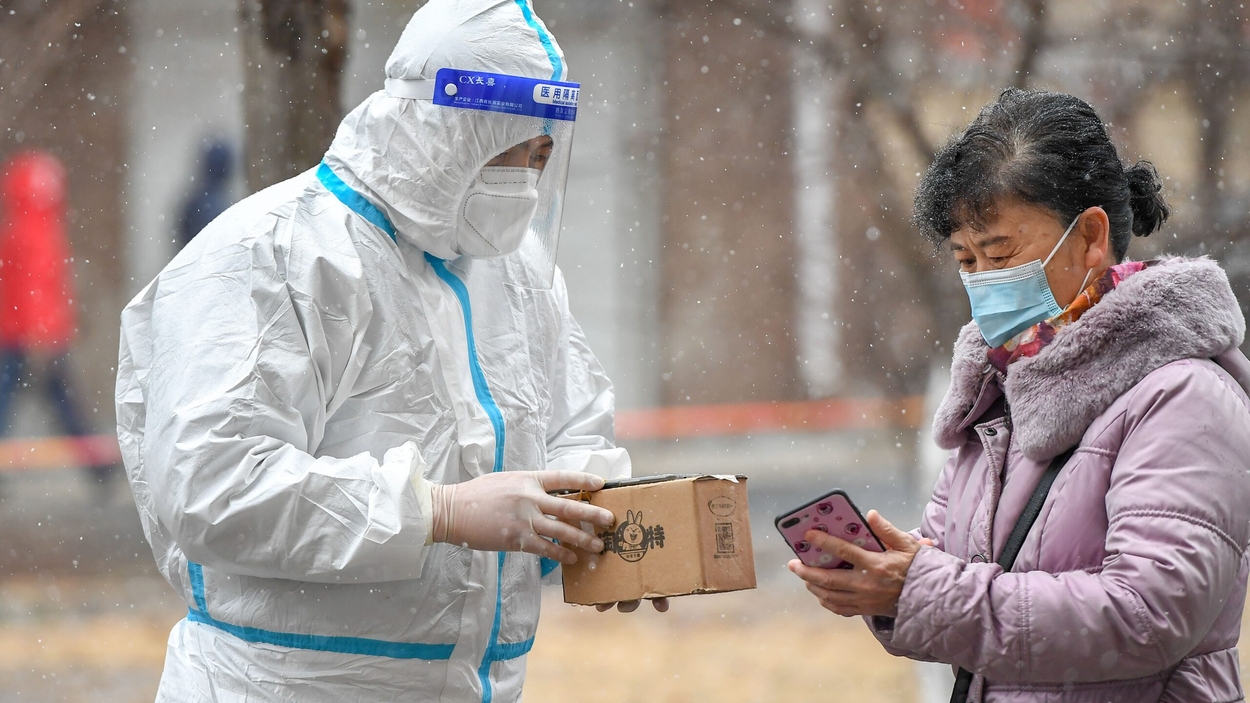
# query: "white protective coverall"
{"points": [[291, 379]]}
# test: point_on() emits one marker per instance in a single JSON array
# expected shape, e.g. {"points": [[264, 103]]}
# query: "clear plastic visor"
{"points": [[533, 265]]}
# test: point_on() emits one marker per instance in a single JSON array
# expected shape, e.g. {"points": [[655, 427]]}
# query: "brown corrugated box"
{"points": [[674, 536]]}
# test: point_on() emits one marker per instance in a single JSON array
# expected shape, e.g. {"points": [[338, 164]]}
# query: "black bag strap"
{"points": [[963, 680]]}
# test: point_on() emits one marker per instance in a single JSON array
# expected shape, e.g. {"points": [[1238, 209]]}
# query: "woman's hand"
{"points": [[874, 585]]}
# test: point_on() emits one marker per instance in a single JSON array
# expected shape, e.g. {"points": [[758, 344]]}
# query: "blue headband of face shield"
{"points": [[1005, 302]]}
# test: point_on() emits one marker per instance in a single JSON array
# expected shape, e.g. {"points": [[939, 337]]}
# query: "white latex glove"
{"points": [[511, 512]]}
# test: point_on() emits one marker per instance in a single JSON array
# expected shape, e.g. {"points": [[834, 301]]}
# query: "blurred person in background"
{"points": [[38, 320], [210, 195], [1119, 381], [343, 404]]}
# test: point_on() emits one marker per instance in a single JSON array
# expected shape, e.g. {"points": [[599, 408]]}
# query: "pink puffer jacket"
{"points": [[1130, 587]]}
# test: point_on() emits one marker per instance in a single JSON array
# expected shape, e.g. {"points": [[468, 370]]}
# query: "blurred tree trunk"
{"points": [[294, 51], [892, 286], [728, 253]]}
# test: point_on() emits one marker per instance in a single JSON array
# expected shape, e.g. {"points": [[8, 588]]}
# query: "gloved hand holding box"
{"points": [[673, 536]]}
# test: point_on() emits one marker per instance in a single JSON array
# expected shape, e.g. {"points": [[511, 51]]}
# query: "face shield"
{"points": [[535, 117]]}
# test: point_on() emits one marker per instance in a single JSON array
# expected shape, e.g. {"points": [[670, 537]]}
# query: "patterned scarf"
{"points": [[1033, 340]]}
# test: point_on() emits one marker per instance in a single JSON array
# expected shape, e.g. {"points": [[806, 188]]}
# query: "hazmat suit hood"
{"points": [[417, 160]]}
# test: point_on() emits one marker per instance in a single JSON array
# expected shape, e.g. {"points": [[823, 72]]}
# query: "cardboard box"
{"points": [[674, 536]]}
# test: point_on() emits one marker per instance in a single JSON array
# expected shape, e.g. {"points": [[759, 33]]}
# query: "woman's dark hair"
{"points": [[1040, 148]]}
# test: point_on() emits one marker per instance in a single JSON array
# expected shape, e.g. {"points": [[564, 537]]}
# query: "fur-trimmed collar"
{"points": [[1176, 309]]}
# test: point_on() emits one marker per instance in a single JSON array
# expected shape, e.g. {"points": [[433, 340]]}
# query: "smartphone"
{"points": [[832, 513]]}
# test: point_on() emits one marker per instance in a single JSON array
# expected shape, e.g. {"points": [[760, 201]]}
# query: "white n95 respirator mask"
{"points": [[497, 210]]}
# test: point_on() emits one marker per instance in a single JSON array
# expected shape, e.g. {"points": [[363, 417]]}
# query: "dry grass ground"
{"points": [[103, 641], [729, 648]]}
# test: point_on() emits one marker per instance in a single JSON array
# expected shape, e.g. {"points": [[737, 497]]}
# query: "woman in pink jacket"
{"points": [[1122, 382]]}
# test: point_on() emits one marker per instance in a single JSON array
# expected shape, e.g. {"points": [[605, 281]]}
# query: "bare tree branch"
{"points": [[875, 77], [879, 80]]}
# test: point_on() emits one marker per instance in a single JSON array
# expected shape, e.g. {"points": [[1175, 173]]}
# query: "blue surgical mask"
{"points": [[1006, 302]]}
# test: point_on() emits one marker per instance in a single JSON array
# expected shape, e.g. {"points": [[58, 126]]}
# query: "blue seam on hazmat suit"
{"points": [[358, 204], [548, 566], [475, 368], [487, 401], [557, 65], [353, 200], [320, 643]]}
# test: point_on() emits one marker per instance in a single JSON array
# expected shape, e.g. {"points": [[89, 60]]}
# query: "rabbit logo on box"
{"points": [[632, 539]]}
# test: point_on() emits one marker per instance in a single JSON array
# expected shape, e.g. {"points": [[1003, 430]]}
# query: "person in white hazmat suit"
{"points": [[343, 405]]}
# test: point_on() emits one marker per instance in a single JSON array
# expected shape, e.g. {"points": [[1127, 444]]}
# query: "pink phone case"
{"points": [[833, 513]]}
